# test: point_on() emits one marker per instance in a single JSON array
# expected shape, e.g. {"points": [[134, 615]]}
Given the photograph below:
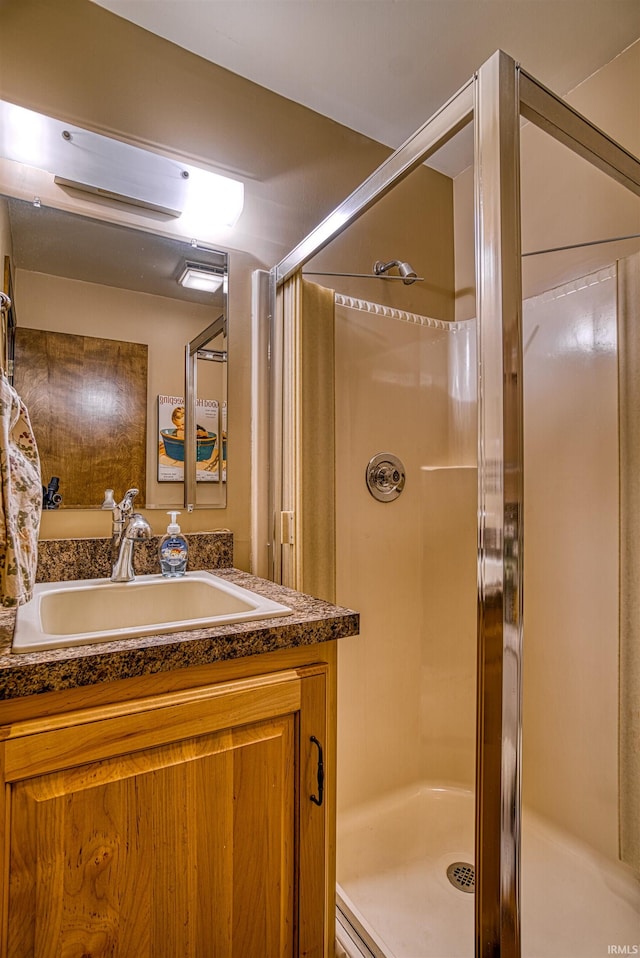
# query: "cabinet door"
{"points": [[186, 847]]}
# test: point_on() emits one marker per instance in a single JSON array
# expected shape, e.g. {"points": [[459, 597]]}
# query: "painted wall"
{"points": [[76, 61]]}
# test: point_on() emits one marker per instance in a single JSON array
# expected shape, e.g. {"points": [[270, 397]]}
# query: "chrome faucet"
{"points": [[127, 526]]}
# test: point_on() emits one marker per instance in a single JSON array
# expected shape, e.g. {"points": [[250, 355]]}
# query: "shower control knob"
{"points": [[385, 477]]}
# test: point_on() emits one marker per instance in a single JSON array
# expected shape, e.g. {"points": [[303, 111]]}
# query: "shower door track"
{"points": [[357, 936], [495, 99]]}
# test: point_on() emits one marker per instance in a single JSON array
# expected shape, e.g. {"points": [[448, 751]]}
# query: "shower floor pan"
{"points": [[394, 891]]}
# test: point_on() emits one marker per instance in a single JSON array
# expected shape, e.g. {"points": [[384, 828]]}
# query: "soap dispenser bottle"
{"points": [[173, 550]]}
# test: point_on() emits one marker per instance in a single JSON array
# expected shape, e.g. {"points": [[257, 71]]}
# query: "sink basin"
{"points": [[63, 614]]}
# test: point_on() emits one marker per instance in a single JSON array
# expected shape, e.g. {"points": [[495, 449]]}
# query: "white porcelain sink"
{"points": [[63, 614]]}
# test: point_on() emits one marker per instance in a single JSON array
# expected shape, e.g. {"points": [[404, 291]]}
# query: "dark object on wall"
{"points": [[8, 319], [51, 498]]}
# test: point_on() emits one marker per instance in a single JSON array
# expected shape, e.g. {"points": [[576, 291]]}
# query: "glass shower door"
{"points": [[577, 899]]}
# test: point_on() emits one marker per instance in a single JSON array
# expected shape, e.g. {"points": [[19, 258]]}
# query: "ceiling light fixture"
{"points": [[90, 162], [200, 276]]}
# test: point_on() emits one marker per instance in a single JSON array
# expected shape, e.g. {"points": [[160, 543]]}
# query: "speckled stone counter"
{"points": [[312, 621]]}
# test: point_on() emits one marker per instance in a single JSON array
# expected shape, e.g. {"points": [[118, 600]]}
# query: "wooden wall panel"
{"points": [[87, 399]]}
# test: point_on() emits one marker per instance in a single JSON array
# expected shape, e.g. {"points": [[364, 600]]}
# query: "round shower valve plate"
{"points": [[385, 477]]}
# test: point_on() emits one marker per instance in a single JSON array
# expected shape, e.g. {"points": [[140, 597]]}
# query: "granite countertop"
{"points": [[311, 622]]}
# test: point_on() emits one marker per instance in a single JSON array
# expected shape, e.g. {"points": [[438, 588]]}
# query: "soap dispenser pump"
{"points": [[173, 550]]}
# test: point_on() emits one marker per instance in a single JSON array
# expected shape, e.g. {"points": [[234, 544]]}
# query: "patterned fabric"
{"points": [[20, 499]]}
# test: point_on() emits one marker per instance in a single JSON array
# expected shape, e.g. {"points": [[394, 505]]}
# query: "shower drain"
{"points": [[462, 875]]}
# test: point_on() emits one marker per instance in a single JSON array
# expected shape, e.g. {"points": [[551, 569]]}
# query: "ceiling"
{"points": [[382, 67], [47, 240]]}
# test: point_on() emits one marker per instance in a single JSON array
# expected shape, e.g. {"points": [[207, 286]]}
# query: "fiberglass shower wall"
{"points": [[406, 686], [570, 695]]}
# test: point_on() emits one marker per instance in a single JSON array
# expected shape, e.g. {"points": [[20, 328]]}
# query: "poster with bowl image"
{"points": [[171, 439]]}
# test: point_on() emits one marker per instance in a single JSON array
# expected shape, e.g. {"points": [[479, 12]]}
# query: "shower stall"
{"points": [[407, 692], [464, 804]]}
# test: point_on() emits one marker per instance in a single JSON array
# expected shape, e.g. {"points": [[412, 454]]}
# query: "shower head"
{"points": [[407, 272]]}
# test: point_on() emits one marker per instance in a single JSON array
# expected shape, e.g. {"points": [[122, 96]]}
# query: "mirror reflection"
{"points": [[103, 316]]}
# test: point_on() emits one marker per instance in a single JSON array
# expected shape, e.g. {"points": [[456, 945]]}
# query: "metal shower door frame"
{"points": [[504, 93], [495, 99]]}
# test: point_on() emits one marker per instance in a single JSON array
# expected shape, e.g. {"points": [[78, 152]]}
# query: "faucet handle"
{"points": [[121, 510], [109, 501], [126, 505]]}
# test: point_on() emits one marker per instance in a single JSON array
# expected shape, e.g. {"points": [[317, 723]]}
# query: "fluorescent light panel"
{"points": [[101, 165], [202, 277]]}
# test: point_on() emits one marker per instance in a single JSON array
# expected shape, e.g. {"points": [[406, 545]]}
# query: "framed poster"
{"points": [[209, 439]]}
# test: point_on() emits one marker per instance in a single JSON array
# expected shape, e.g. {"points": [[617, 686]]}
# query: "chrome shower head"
{"points": [[407, 272]]}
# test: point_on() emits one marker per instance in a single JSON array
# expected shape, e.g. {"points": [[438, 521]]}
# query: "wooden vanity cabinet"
{"points": [[176, 824]]}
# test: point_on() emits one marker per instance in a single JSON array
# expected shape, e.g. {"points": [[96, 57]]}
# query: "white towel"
{"points": [[20, 499]]}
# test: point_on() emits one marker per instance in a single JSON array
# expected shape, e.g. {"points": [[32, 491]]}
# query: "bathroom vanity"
{"points": [[173, 794]]}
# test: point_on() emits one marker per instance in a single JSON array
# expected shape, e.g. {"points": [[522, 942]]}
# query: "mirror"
{"points": [[102, 323], [198, 431]]}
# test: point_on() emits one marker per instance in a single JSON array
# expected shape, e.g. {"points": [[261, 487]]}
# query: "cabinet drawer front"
{"points": [[89, 741]]}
